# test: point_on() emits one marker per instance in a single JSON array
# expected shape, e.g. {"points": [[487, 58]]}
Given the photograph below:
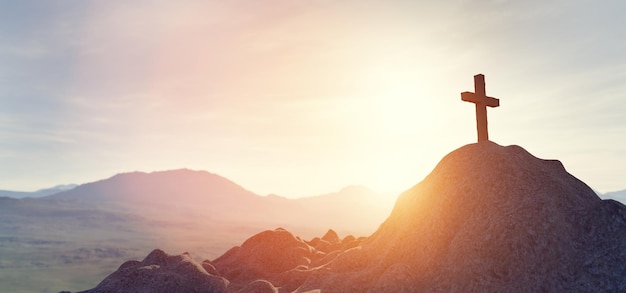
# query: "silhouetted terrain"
{"points": [[487, 219]]}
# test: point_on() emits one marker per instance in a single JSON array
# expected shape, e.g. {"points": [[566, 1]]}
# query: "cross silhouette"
{"points": [[482, 101]]}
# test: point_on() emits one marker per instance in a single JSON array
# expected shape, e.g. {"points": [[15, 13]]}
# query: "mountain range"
{"points": [[204, 196]]}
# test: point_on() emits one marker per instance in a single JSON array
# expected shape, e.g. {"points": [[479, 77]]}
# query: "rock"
{"points": [[258, 286], [331, 242], [331, 236], [350, 242], [160, 272], [263, 256], [348, 239], [209, 268], [314, 242], [292, 279], [324, 258], [325, 246]]}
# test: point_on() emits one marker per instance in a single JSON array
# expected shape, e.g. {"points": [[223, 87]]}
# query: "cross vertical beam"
{"points": [[482, 101], [481, 110]]}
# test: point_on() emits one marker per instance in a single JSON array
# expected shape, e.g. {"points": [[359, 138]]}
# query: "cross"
{"points": [[482, 101]]}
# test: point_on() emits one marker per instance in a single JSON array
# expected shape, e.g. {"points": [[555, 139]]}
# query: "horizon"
{"points": [[74, 185], [383, 193], [299, 98]]}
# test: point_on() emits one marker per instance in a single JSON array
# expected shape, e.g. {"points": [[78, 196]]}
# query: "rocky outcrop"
{"points": [[280, 258], [160, 272], [263, 256], [271, 261], [487, 218], [490, 218]]}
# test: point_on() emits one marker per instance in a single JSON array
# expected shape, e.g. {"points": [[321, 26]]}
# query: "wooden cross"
{"points": [[482, 101]]}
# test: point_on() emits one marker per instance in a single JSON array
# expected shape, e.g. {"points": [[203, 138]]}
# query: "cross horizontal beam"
{"points": [[473, 98], [482, 101]]}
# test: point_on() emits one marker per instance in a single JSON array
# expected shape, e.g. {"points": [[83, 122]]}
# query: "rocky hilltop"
{"points": [[487, 218]]}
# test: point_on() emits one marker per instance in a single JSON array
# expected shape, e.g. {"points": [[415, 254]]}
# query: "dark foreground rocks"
{"points": [[271, 261]]}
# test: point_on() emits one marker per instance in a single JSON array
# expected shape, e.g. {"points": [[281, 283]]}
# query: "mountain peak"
{"points": [[159, 185]]}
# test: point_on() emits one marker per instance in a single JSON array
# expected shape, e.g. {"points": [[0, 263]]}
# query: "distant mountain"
{"points": [[615, 195], [348, 209], [181, 197], [205, 196], [157, 187], [38, 193]]}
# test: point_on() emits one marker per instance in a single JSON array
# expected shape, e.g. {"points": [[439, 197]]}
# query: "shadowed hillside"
{"points": [[487, 218]]}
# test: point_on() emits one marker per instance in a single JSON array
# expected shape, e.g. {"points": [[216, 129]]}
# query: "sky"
{"points": [[299, 98]]}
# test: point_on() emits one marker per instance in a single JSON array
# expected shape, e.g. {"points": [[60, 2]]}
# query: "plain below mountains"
{"points": [[488, 218]]}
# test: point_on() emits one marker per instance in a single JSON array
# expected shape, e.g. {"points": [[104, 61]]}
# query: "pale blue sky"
{"points": [[304, 97]]}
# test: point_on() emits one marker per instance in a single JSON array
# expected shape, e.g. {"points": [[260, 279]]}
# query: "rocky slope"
{"points": [[487, 218]]}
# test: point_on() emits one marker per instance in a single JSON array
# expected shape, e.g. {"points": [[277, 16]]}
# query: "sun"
{"points": [[399, 123]]}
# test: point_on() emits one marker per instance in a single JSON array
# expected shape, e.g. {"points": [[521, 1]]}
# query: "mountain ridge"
{"points": [[141, 184]]}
